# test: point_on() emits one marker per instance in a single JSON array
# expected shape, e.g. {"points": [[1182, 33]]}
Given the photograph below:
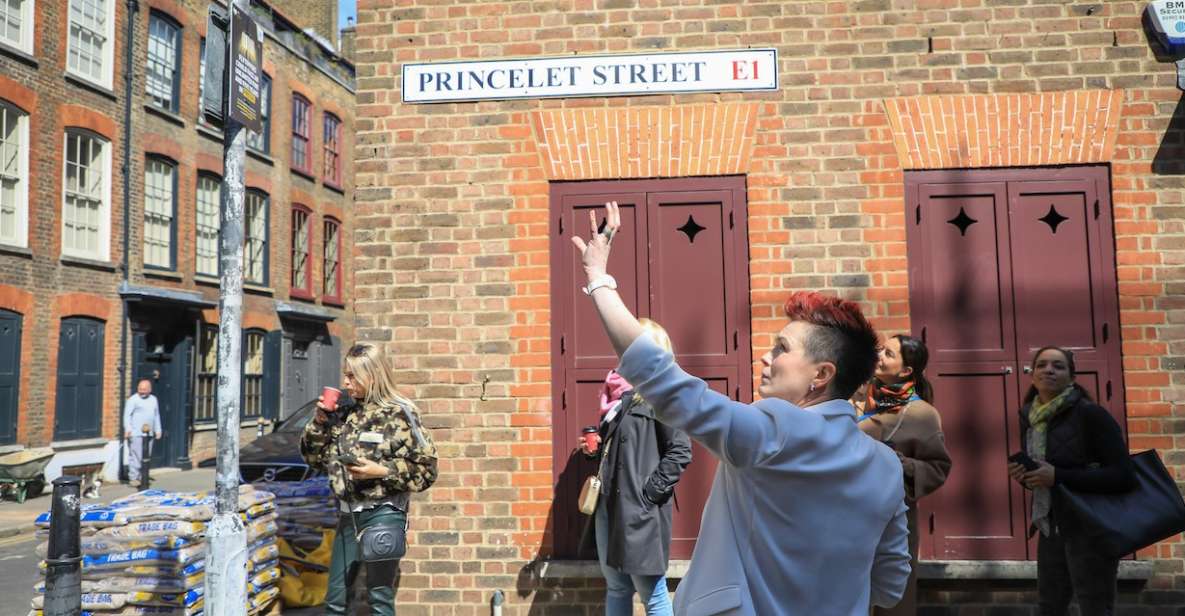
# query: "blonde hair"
{"points": [[657, 333], [370, 368]]}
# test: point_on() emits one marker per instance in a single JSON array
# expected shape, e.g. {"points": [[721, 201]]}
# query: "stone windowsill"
{"points": [[210, 132], [92, 86], [260, 156], [1129, 570], [163, 113], [85, 443], [19, 54], [19, 251], [105, 266], [163, 274]]}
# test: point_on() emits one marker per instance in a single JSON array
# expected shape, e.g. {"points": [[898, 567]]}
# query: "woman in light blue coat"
{"points": [[806, 514]]}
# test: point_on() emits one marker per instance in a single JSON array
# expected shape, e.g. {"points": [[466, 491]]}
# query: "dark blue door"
{"points": [[79, 409], [10, 374]]}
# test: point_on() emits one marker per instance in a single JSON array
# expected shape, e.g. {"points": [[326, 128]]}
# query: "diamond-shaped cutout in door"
{"points": [[962, 221], [1053, 218], [691, 229]]}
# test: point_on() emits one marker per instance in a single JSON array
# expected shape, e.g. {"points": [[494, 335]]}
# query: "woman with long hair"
{"points": [[899, 412], [376, 452], [1074, 442], [643, 459]]}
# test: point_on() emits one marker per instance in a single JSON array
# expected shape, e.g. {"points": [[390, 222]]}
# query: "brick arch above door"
{"points": [[1005, 130], [646, 142]]}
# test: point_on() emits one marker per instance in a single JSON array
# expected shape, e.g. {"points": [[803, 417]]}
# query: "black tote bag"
{"points": [[1123, 522]]}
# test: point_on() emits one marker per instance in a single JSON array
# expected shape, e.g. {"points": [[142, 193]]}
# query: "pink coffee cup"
{"points": [[329, 396]]}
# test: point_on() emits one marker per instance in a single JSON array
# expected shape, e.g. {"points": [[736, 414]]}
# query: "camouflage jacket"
{"points": [[393, 437]]}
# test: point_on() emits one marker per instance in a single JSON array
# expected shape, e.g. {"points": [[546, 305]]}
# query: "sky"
{"points": [[346, 8]]}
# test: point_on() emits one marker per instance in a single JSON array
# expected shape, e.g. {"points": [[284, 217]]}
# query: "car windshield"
{"points": [[297, 421]]}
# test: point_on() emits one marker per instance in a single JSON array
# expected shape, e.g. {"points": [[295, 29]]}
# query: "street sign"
{"points": [[246, 60]]}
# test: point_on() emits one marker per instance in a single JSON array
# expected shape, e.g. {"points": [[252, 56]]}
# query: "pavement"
{"points": [[17, 518]]}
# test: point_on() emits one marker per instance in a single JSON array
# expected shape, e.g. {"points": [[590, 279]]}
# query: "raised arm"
{"points": [[620, 324]]}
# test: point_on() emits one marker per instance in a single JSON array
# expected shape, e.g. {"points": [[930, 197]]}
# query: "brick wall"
{"points": [[320, 15], [452, 255]]}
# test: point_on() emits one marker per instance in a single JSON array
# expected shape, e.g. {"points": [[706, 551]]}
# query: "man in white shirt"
{"points": [[139, 411]]}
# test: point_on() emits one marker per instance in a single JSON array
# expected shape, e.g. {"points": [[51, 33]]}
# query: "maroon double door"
{"points": [[681, 259], [1001, 263]]}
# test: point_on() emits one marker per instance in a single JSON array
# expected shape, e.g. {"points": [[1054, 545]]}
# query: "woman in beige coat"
{"points": [[898, 411]]}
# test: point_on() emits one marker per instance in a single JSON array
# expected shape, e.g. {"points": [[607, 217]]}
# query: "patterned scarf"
{"points": [[889, 398], [611, 392], [1040, 414]]}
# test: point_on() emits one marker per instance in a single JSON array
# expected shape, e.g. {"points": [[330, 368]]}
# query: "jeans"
{"points": [[346, 559], [619, 595], [1069, 566]]}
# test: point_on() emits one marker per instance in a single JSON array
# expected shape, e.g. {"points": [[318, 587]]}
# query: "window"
{"points": [[333, 150], [262, 141], [14, 174], [160, 213], [255, 243], [92, 24], [209, 199], [302, 257], [164, 61], [207, 380], [302, 156], [331, 270], [87, 196], [252, 373], [16, 24]]}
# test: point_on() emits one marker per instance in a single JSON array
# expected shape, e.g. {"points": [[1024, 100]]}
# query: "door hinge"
{"points": [[731, 222], [1096, 209], [735, 341], [562, 345], [923, 334], [917, 214], [931, 523], [736, 395], [1108, 390], [1106, 331], [561, 220], [564, 399]]}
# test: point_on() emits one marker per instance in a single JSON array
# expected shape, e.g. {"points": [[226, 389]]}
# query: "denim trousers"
{"points": [[619, 595], [347, 559], [1069, 566]]}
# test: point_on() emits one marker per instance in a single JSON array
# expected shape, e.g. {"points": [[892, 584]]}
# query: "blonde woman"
{"points": [[632, 522], [375, 451]]}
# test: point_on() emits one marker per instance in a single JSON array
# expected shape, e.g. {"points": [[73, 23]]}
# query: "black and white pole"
{"points": [[226, 565], [145, 455], [63, 572]]}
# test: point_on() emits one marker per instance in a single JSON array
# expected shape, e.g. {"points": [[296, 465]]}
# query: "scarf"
{"points": [[1040, 414], [611, 392], [889, 398]]}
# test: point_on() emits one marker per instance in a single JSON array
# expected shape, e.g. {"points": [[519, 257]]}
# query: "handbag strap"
{"points": [[604, 456]]}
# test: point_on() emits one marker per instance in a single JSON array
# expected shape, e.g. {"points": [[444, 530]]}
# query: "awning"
{"points": [[304, 313], [171, 296]]}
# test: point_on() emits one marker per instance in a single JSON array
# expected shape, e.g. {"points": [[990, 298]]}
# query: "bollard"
{"points": [[145, 455], [496, 601], [63, 575]]}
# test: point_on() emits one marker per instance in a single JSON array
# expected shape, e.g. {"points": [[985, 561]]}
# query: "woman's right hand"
{"points": [[1017, 473], [322, 414]]}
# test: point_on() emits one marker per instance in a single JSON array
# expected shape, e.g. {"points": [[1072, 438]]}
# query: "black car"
{"points": [[276, 456]]}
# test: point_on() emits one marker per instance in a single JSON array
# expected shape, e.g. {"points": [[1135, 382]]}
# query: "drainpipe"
{"points": [[133, 7]]}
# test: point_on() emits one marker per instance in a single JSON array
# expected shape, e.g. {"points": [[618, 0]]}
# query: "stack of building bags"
{"points": [[307, 518], [145, 554]]}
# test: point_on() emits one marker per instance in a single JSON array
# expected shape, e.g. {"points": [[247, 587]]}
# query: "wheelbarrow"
{"points": [[22, 472]]}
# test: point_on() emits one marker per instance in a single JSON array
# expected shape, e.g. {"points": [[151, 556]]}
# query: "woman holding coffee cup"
{"points": [[643, 460], [370, 442]]}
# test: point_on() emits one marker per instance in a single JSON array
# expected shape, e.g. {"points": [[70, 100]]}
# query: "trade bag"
{"points": [[1123, 522]]}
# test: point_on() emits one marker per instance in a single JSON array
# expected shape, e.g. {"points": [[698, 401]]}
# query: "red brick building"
{"points": [[108, 260], [990, 176]]}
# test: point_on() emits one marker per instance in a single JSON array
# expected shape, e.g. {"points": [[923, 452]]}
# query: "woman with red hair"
{"points": [[806, 514]]}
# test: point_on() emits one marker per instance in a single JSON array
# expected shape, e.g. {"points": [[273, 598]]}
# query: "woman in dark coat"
{"points": [[1075, 443], [642, 461]]}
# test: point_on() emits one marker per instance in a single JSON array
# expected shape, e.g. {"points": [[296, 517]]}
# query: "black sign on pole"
{"points": [[246, 55], [213, 78]]}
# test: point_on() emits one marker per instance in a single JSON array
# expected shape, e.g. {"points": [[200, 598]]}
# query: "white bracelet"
{"points": [[604, 280]]}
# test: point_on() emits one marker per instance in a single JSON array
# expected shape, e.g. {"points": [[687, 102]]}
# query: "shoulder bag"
{"points": [[591, 490]]}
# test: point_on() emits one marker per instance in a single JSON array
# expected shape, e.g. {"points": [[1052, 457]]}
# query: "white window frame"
{"points": [[103, 249], [27, 15], [107, 69], [202, 220], [174, 47], [155, 196], [20, 235]]}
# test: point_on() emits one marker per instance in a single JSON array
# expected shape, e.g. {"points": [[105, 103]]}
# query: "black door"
{"points": [[79, 410], [10, 374], [164, 359]]}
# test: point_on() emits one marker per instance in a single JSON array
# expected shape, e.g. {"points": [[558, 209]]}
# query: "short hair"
{"points": [[841, 335], [657, 334]]}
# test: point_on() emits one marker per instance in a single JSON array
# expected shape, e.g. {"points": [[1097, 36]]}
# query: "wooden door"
{"points": [[78, 410], [680, 259], [10, 374]]}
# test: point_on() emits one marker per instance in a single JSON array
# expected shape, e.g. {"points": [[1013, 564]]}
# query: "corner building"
{"points": [[989, 176], [110, 223]]}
